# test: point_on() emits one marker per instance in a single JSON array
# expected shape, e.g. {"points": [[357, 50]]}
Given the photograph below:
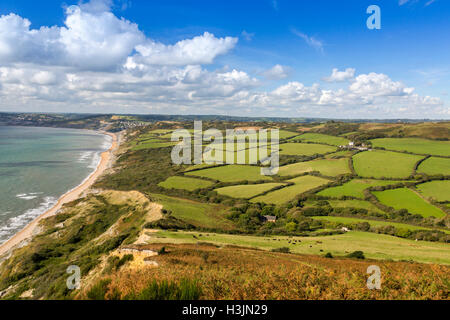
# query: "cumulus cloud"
{"points": [[98, 62], [277, 72], [198, 50], [341, 76]]}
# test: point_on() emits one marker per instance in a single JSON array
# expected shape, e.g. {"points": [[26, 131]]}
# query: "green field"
{"points": [[373, 223], [329, 168], [374, 246], [201, 215], [210, 156], [405, 198], [185, 183], [386, 164], [434, 165], [358, 204], [302, 185], [414, 145], [247, 191], [304, 149], [354, 188], [339, 154], [438, 190], [231, 173], [152, 144], [323, 138]]}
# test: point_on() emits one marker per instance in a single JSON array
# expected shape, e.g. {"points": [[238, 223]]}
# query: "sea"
{"points": [[38, 166]]}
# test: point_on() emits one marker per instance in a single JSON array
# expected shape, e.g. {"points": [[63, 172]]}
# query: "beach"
{"points": [[28, 232]]}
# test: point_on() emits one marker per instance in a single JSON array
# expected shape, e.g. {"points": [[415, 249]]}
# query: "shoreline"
{"points": [[28, 231]]}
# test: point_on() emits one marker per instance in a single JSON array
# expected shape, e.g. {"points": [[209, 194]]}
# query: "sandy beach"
{"points": [[72, 195]]}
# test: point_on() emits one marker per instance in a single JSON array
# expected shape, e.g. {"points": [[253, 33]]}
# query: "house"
{"points": [[271, 219], [345, 229]]}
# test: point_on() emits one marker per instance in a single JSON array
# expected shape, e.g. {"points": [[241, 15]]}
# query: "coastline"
{"points": [[72, 195]]}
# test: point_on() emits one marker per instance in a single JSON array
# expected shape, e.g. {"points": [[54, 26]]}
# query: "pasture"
{"points": [[373, 223], [304, 149], [330, 168], [201, 215], [434, 166], [405, 198], [231, 173], [358, 204], [151, 144], [323, 139], [185, 183], [354, 188], [378, 164], [247, 191], [438, 190], [414, 145], [374, 246], [302, 185]]}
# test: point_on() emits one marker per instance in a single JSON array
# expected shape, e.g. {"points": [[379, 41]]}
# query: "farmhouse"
{"points": [[271, 219], [351, 146]]}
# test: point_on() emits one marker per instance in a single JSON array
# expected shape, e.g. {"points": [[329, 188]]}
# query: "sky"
{"points": [[242, 58]]}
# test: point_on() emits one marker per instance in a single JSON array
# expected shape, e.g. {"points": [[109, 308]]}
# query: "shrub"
{"points": [[184, 290], [356, 255], [282, 250], [329, 255], [98, 291]]}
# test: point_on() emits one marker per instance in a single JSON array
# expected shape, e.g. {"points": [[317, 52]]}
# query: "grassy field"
{"points": [[374, 246], [438, 190], [209, 157], [198, 214], [304, 149], [414, 145], [339, 154], [185, 183], [386, 164], [373, 223], [329, 168], [358, 204], [151, 144], [434, 165], [323, 138], [247, 191], [302, 184], [354, 188], [232, 173], [405, 198]]}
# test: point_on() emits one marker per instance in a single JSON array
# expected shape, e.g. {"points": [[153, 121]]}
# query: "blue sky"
{"points": [[265, 57]]}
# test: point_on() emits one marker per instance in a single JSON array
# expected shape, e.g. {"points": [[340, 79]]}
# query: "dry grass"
{"points": [[239, 273]]}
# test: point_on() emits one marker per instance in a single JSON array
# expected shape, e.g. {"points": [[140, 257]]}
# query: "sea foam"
{"points": [[15, 224]]}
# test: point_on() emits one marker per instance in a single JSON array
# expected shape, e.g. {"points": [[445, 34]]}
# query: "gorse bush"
{"points": [[356, 255], [99, 290], [183, 290]]}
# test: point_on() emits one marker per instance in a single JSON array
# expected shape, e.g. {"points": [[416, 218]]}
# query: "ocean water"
{"points": [[39, 165]]}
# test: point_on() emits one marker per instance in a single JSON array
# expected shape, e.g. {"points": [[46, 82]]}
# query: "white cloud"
{"points": [[311, 41], [199, 50], [277, 72], [97, 62], [247, 35], [341, 76]]}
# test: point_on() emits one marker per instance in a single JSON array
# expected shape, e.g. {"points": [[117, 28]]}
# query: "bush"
{"points": [[356, 255], [282, 250], [184, 290], [329, 255], [98, 291]]}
